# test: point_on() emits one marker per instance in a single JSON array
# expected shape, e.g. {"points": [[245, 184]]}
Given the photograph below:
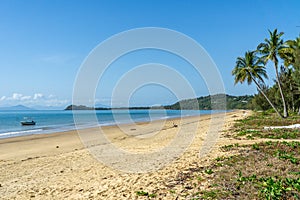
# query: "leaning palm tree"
{"points": [[271, 50], [250, 68]]}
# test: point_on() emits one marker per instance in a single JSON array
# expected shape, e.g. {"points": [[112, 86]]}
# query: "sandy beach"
{"points": [[59, 166]]}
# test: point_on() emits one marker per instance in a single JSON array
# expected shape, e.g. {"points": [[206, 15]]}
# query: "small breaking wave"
{"points": [[19, 133]]}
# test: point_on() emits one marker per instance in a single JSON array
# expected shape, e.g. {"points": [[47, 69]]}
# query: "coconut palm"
{"points": [[250, 68], [292, 57], [271, 50]]}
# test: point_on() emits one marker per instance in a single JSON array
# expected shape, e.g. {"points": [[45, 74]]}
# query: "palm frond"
{"points": [[248, 68]]}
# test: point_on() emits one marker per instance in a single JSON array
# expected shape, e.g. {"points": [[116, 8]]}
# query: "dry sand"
{"points": [[58, 166]]}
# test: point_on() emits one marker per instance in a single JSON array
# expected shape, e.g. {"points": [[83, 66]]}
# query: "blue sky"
{"points": [[43, 43]]}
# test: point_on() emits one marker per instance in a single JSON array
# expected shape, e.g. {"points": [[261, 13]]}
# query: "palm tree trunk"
{"points": [[280, 115], [285, 112], [293, 101], [293, 104]]}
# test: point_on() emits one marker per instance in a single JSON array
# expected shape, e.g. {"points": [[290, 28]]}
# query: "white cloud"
{"points": [[38, 96], [25, 98], [37, 99], [16, 96]]}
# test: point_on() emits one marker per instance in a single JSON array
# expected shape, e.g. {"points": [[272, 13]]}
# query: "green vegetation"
{"points": [[80, 107], [261, 170], [143, 193], [213, 102], [209, 171], [253, 127], [272, 49], [250, 68], [264, 172], [284, 95]]}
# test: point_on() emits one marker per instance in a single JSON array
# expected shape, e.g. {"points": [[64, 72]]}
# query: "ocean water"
{"points": [[60, 120]]}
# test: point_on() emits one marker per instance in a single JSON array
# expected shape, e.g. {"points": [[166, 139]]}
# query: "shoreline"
{"points": [[46, 131], [58, 138], [58, 165]]}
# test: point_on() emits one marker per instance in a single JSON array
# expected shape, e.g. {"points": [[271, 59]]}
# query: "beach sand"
{"points": [[59, 166]]}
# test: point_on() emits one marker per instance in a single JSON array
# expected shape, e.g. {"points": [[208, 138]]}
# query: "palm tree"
{"points": [[250, 68], [271, 49], [292, 57]]}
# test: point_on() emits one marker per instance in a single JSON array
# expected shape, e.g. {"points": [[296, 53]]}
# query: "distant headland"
{"points": [[204, 103]]}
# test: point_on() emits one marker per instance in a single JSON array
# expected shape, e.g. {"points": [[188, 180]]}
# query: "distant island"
{"points": [[204, 103], [17, 107]]}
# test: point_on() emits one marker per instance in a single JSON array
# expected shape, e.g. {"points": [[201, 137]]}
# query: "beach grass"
{"points": [[261, 170], [253, 127], [266, 170]]}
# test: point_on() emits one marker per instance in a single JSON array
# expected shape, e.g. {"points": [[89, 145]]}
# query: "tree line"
{"points": [[284, 96]]}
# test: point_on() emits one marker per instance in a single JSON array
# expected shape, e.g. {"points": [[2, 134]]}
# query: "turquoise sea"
{"points": [[60, 120]]}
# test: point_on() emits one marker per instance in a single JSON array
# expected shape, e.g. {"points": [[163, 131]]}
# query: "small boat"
{"points": [[27, 122]]}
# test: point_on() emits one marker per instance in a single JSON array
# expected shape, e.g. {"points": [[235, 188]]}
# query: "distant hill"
{"points": [[80, 107], [214, 102], [18, 107]]}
